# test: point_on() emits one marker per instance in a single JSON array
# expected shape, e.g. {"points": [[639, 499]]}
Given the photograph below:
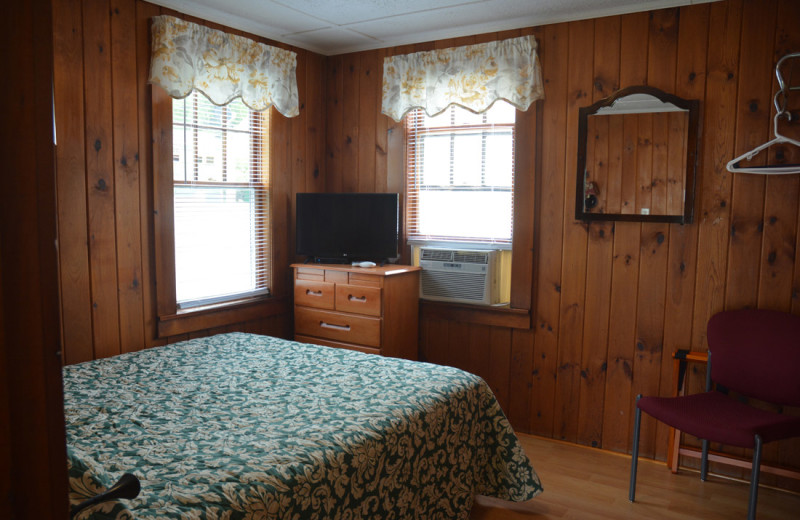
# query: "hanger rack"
{"points": [[779, 100]]}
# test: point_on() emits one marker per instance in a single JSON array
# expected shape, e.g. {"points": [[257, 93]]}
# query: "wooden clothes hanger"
{"points": [[780, 106]]}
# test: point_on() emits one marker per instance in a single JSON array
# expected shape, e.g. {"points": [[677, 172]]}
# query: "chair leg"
{"points": [[751, 508], [704, 460], [637, 420]]}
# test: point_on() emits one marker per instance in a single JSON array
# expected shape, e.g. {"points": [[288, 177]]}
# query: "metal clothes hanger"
{"points": [[779, 100]]}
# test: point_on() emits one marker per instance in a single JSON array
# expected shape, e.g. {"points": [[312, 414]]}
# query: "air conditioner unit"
{"points": [[462, 276]]}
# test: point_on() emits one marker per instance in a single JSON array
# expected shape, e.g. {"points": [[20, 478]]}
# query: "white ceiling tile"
{"points": [[331, 40], [268, 16], [334, 27], [343, 12]]}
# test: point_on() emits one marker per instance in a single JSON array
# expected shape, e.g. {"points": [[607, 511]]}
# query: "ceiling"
{"points": [[331, 27]]}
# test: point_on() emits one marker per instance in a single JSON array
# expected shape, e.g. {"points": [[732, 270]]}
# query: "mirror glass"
{"points": [[637, 155]]}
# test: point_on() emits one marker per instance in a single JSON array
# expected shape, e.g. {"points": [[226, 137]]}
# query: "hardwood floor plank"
{"points": [[590, 484]]}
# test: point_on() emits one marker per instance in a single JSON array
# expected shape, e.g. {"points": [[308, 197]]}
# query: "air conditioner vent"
{"points": [[470, 258], [440, 255], [465, 286], [454, 275]]}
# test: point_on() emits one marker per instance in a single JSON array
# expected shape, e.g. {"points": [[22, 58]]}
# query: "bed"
{"points": [[246, 426]]}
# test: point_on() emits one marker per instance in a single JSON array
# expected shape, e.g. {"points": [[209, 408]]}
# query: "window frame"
{"points": [[258, 128], [485, 130], [527, 171], [173, 321]]}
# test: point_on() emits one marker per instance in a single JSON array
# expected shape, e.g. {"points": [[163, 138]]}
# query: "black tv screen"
{"points": [[343, 227]]}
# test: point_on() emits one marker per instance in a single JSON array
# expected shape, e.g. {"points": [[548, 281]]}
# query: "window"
{"points": [[221, 201], [460, 175]]}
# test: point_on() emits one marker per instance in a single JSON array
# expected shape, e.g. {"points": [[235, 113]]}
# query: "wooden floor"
{"points": [[589, 484]]}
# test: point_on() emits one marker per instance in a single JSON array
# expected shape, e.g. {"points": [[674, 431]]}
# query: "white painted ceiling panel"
{"points": [[345, 12], [332, 38], [331, 27]]}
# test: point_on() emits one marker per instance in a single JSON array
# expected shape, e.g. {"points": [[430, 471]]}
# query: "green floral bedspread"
{"points": [[244, 426]]}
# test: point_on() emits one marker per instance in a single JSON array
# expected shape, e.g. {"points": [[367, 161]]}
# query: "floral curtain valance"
{"points": [[473, 76], [222, 66]]}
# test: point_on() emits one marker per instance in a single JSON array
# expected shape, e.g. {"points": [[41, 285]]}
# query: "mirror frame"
{"points": [[692, 146]]}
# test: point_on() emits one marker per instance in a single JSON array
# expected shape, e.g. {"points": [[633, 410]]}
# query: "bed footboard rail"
{"points": [[127, 486]]}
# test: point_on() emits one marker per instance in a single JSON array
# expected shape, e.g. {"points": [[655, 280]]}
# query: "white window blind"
{"points": [[220, 179], [460, 175]]}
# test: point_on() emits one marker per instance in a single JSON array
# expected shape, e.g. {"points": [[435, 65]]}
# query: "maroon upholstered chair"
{"points": [[755, 353]]}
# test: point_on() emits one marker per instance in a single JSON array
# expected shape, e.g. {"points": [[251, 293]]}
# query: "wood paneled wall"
{"points": [[610, 302], [105, 177], [613, 301]]}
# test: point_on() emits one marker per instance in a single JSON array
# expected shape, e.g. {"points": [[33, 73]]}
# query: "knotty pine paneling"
{"points": [[104, 159], [612, 301]]}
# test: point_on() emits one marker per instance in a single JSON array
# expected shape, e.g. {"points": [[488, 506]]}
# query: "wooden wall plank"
{"points": [[350, 120], [68, 91], [519, 401], [594, 355], [457, 350], [382, 125], [126, 175], [554, 48], [298, 128], [648, 366], [619, 402], [782, 191], [478, 351], [500, 364], [714, 186], [100, 184], [752, 117], [682, 261], [369, 75], [573, 286], [333, 123], [315, 114]]}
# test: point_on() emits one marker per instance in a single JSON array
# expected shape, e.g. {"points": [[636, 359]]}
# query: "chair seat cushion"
{"points": [[719, 418]]}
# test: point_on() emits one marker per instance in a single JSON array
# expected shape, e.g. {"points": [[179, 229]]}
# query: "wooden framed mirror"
{"points": [[637, 157]]}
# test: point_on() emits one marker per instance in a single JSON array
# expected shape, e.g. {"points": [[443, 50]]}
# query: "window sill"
{"points": [[220, 314], [483, 315]]}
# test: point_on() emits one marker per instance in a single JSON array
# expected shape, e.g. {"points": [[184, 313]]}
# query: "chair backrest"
{"points": [[756, 353]]}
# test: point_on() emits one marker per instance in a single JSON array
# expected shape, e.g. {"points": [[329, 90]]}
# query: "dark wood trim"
{"points": [[212, 316], [493, 316], [32, 446], [163, 213], [692, 106]]}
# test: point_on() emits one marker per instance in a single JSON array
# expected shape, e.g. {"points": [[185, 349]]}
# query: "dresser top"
{"points": [[384, 270]]}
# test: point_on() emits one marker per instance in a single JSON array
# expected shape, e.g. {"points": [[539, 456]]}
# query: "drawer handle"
{"points": [[362, 299], [344, 328], [313, 293]]}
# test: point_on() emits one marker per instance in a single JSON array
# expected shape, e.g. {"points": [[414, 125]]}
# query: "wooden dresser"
{"points": [[369, 309]]}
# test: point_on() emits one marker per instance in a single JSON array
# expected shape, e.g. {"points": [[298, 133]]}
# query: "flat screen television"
{"points": [[346, 227]]}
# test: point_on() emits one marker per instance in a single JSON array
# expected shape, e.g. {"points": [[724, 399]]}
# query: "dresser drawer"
{"points": [[348, 328], [361, 300], [314, 294]]}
